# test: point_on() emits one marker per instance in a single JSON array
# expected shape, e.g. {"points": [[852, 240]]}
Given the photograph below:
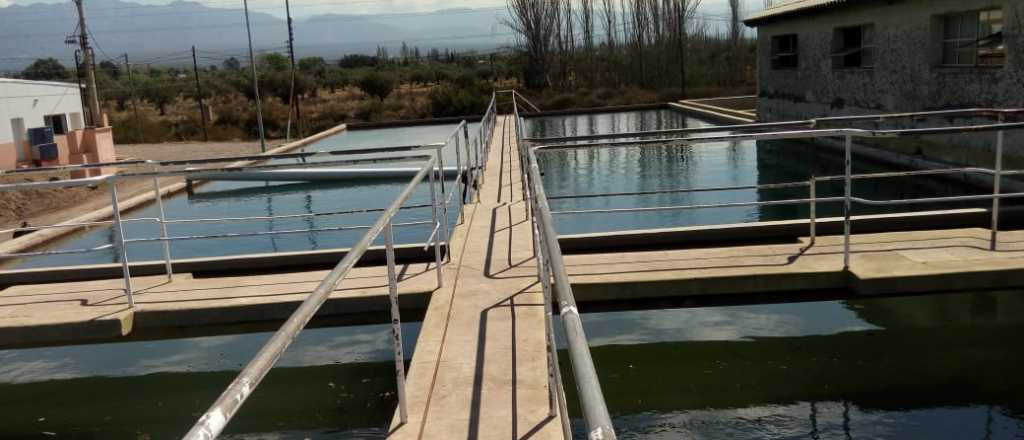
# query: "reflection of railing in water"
{"points": [[551, 267]]}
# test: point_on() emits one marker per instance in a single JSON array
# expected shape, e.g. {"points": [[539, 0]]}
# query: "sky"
{"points": [[304, 8]]}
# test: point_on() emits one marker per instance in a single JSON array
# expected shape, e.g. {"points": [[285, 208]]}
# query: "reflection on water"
{"points": [[332, 383], [935, 367], [716, 164], [255, 199]]}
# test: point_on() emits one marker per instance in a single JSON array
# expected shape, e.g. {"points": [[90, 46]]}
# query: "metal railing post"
{"points": [[163, 228], [997, 181], [460, 178], [119, 242], [396, 321], [444, 198], [437, 224], [814, 209], [847, 177]]}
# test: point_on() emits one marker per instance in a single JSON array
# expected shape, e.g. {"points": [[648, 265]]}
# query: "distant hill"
{"points": [[161, 33]]}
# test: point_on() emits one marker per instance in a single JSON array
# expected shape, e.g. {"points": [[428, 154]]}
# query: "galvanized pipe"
{"points": [[163, 229], [212, 423], [266, 233], [813, 209], [432, 239], [592, 402], [810, 123], [997, 181], [847, 189], [444, 200], [119, 243], [396, 321]]}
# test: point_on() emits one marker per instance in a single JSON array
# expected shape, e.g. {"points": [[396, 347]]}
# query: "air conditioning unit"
{"points": [[45, 152], [40, 136]]}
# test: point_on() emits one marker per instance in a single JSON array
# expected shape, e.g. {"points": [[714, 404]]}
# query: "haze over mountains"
{"points": [[162, 33], [153, 31]]}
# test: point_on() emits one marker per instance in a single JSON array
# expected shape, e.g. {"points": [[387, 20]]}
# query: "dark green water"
{"points": [[332, 383], [929, 367], [925, 367], [254, 199], [632, 169]]}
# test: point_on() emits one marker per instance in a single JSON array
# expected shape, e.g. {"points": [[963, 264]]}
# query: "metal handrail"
{"points": [[213, 422], [160, 169], [549, 253], [556, 285], [848, 177], [807, 123]]}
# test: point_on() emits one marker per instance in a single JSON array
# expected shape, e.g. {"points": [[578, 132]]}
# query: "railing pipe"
{"points": [[163, 229], [212, 423], [847, 189], [444, 199], [119, 242], [396, 321], [592, 402], [436, 241], [997, 181]]}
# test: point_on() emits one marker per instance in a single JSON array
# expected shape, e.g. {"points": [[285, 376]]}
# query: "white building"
{"points": [[28, 104]]}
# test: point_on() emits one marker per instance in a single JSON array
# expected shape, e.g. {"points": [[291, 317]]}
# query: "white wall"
{"points": [[32, 100]]}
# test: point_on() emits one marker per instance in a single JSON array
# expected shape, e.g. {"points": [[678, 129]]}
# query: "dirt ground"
{"points": [[52, 206]]}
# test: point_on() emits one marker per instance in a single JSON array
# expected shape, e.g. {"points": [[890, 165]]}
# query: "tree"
{"points": [[312, 66], [160, 93], [377, 84], [232, 64], [274, 62], [110, 69], [45, 69]]}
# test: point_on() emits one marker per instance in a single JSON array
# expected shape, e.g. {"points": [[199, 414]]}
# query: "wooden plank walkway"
{"points": [[480, 369]]}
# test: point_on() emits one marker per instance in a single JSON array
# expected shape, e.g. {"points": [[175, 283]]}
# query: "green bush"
{"points": [[457, 101], [377, 85]]}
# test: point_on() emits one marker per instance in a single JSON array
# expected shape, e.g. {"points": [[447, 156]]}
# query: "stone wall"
{"points": [[907, 76]]}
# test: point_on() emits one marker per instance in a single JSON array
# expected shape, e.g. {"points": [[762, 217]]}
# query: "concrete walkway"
{"points": [[89, 311], [480, 369], [882, 263]]}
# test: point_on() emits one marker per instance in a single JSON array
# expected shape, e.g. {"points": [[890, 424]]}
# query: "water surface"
{"points": [[928, 367], [717, 164], [255, 199]]}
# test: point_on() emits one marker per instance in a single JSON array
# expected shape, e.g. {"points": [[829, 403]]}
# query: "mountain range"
{"points": [[164, 34]]}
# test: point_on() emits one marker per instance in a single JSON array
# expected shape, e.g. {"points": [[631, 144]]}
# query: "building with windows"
{"points": [[833, 57], [25, 105]]}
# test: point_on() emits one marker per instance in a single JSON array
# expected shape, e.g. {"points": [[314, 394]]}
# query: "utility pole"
{"points": [[92, 94], [135, 104], [255, 79], [293, 99], [78, 78], [199, 96]]}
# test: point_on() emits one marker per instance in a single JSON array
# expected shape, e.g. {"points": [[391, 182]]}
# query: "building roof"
{"points": [[37, 83], [789, 8]]}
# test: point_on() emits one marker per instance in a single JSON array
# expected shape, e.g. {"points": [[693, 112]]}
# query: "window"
{"points": [[853, 47], [785, 54], [56, 122], [973, 38]]}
